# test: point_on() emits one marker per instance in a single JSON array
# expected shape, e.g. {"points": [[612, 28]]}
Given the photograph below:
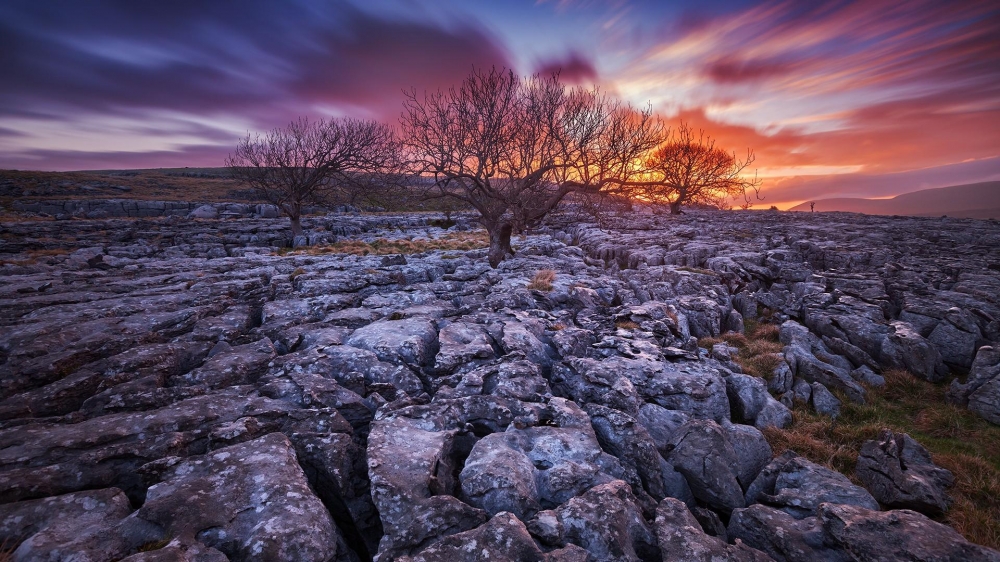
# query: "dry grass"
{"points": [[758, 348], [957, 439], [457, 241], [181, 184], [33, 257], [298, 271], [542, 281]]}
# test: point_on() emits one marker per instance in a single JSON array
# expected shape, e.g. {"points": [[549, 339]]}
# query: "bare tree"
{"points": [[513, 148], [689, 168], [309, 161]]}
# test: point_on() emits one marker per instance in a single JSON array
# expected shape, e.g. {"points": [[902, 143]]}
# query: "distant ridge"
{"points": [[974, 201]]}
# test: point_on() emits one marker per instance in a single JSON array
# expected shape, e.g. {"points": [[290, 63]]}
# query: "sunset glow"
{"points": [[846, 99]]}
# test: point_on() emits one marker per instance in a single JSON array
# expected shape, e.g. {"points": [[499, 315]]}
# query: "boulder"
{"points": [[204, 212], [81, 523], [773, 414], [824, 402], [895, 535], [410, 341], [986, 401], [661, 424], [701, 453], [783, 537], [680, 537], [607, 523], [622, 436], [461, 343], [956, 346], [899, 473], [906, 349], [752, 451], [985, 367], [504, 537], [747, 397], [249, 501], [797, 486]]}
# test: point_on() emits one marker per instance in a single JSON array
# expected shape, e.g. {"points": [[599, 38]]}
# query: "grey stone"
{"points": [[709, 464], [409, 341], [985, 367], [824, 402], [899, 473], [681, 538], [747, 397], [895, 535], [773, 414], [752, 451], [267, 510], [956, 346], [798, 486], [607, 523], [204, 212]]}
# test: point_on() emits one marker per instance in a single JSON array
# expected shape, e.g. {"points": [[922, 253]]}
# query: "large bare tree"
{"points": [[512, 148], [689, 168], [308, 162]]}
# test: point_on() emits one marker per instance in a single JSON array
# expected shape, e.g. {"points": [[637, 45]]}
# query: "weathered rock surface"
{"points": [[845, 532], [899, 473], [681, 538], [797, 486], [175, 388]]}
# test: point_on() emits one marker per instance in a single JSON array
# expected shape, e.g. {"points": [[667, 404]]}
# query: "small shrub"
{"points": [[542, 281]]}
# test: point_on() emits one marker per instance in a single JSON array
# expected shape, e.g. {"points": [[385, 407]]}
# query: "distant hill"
{"points": [[974, 200]]}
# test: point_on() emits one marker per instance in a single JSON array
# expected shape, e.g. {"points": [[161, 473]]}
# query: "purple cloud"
{"points": [[220, 63], [572, 69]]}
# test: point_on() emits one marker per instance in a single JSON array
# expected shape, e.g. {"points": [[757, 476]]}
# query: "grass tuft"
{"points": [[542, 281], [758, 348]]}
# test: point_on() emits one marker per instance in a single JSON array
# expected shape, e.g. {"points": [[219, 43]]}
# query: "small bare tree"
{"points": [[513, 148], [308, 162], [689, 168]]}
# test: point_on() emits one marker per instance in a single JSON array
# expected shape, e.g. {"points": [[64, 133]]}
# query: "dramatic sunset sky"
{"points": [[838, 99]]}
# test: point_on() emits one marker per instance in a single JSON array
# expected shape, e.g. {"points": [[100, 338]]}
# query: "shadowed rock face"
{"points": [[175, 389]]}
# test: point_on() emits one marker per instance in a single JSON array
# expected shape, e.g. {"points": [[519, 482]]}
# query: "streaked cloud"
{"points": [[830, 96]]}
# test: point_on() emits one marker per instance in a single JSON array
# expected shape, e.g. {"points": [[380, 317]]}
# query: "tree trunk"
{"points": [[675, 208], [500, 243], [296, 225]]}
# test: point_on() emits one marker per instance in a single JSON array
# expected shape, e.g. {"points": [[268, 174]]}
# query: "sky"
{"points": [[836, 99]]}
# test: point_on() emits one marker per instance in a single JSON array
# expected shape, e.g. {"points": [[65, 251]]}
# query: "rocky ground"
{"points": [[179, 389]]}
